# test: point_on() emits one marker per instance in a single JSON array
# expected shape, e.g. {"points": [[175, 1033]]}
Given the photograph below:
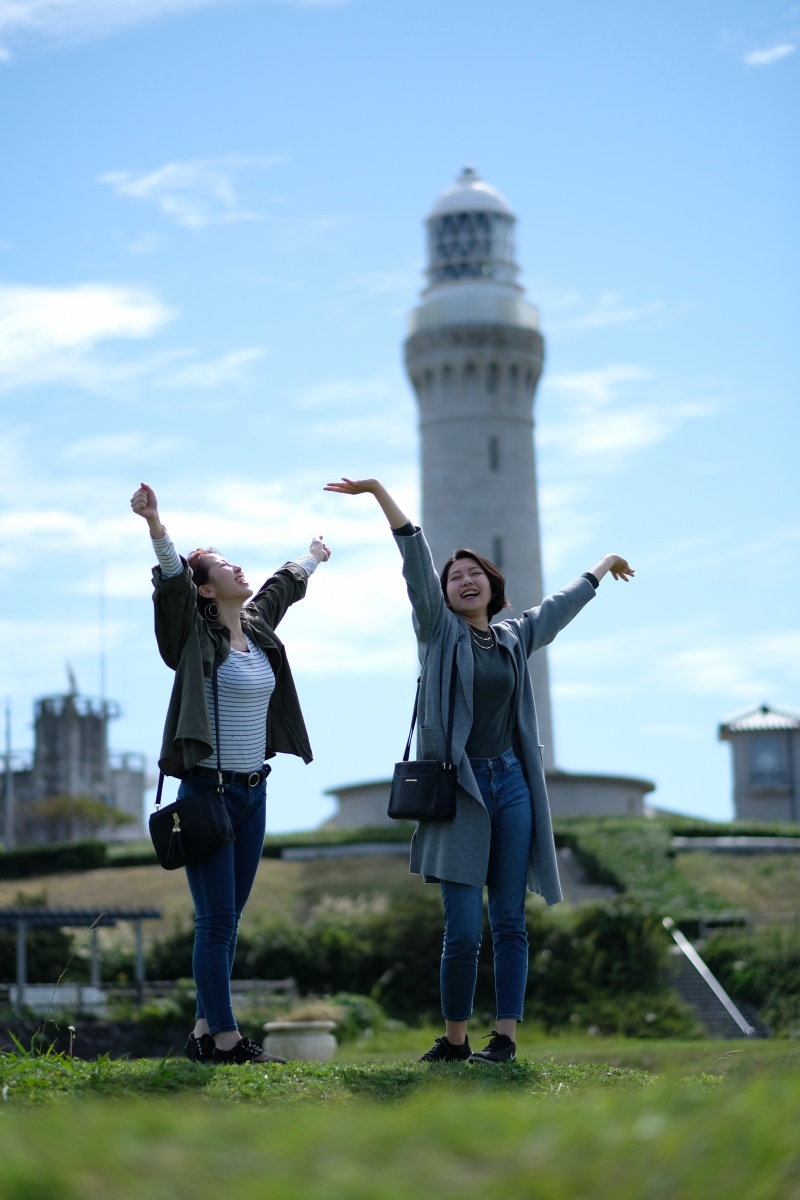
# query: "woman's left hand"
{"points": [[319, 549]]}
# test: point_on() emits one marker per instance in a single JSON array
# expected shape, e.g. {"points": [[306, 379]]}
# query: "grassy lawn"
{"points": [[758, 883], [550, 1131], [573, 1119]]}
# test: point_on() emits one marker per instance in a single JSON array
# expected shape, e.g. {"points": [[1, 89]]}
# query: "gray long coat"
{"points": [[458, 851]]}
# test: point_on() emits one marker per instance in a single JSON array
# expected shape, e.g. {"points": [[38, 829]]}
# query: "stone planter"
{"points": [[304, 1040]]}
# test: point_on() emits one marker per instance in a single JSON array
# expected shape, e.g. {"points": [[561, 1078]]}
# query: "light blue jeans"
{"points": [[220, 884], [508, 803]]}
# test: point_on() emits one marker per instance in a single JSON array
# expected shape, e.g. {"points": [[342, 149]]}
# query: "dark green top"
{"points": [[493, 693]]}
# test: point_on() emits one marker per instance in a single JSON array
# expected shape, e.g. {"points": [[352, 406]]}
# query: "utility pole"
{"points": [[9, 836]]}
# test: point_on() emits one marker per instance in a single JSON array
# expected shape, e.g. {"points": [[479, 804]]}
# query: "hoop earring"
{"points": [[212, 611]]}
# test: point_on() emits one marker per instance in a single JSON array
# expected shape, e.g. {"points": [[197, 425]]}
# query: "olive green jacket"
{"points": [[190, 645]]}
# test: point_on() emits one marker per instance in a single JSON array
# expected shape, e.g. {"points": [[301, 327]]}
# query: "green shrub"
{"points": [[762, 969]]}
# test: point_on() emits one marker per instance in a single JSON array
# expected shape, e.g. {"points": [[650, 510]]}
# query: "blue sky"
{"points": [[210, 236]]}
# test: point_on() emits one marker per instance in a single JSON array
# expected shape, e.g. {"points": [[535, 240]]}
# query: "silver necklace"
{"points": [[483, 638]]}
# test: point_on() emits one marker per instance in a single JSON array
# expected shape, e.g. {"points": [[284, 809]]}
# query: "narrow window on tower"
{"points": [[491, 378], [497, 552], [494, 454]]}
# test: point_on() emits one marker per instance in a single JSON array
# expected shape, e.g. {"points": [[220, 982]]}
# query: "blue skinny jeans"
{"points": [[508, 803], [220, 884]]}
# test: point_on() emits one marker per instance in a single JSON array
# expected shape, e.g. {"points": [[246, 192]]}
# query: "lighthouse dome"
{"points": [[470, 234]]}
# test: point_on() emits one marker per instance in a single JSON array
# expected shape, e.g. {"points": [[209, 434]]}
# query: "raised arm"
{"points": [[144, 504], [357, 487], [422, 582]]}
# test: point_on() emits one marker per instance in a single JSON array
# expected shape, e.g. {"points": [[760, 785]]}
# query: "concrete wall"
{"points": [[570, 796]]}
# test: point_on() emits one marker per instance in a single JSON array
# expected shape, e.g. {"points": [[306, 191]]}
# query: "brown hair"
{"points": [[497, 580], [200, 561]]}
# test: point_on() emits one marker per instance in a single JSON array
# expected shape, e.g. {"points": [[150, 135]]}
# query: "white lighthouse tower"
{"points": [[474, 355]]}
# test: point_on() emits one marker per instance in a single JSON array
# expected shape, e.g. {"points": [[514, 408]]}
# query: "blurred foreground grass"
{"points": [[661, 1142]]}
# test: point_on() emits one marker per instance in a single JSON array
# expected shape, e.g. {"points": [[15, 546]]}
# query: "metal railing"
{"points": [[713, 983]]}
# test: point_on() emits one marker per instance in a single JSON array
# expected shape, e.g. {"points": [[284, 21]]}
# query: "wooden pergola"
{"points": [[23, 919]]}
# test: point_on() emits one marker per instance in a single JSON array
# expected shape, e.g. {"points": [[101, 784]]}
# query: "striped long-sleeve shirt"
{"points": [[245, 683]]}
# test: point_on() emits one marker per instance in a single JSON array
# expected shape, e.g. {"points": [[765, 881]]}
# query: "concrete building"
{"points": [[765, 743], [71, 758], [474, 355]]}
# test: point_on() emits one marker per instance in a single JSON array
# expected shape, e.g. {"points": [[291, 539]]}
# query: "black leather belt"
{"points": [[247, 778]]}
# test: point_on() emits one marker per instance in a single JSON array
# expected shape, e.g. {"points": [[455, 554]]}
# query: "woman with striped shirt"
{"points": [[207, 617]]}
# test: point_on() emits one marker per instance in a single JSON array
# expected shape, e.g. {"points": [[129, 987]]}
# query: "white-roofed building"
{"points": [[766, 762]]}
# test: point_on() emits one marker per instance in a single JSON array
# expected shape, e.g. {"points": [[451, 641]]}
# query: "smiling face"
{"points": [[468, 590], [226, 582]]}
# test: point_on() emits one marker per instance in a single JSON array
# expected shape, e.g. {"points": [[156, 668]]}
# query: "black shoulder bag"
{"points": [[423, 790], [194, 825]]}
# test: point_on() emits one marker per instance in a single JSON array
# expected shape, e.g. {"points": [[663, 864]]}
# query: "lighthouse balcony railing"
{"points": [[473, 310]]}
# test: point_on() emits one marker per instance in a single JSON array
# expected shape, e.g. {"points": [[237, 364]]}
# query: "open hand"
{"points": [[352, 487], [619, 567]]}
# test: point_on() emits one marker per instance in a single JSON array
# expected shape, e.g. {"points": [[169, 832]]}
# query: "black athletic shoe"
{"points": [[444, 1051], [199, 1049], [245, 1051], [501, 1049]]}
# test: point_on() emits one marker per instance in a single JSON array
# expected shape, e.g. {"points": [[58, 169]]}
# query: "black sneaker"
{"points": [[444, 1051], [199, 1049], [501, 1049], [245, 1051]]}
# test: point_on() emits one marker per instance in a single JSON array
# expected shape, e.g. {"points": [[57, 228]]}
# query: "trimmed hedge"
{"points": [[635, 856], [54, 859]]}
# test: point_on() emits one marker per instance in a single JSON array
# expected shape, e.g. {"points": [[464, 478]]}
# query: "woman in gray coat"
{"points": [[502, 835]]}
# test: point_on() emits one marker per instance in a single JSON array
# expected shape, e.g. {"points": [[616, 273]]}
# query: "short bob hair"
{"points": [[497, 580]]}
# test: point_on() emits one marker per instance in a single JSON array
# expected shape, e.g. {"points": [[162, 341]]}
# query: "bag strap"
{"points": [[220, 789], [451, 710]]}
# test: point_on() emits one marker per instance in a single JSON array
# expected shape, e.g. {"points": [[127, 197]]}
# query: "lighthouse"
{"points": [[474, 354]]}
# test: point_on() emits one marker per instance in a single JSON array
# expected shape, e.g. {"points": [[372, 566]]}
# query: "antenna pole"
{"points": [[103, 631], [9, 838]]}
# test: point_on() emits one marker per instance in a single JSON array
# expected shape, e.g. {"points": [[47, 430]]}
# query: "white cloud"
{"points": [[598, 422], [213, 373], [766, 58], [78, 20], [51, 333], [680, 660], [572, 312], [62, 335], [334, 393], [117, 446], [148, 243], [739, 667], [601, 385], [194, 193]]}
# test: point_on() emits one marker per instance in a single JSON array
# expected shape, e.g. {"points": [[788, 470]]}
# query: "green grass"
{"points": [[664, 1142], [574, 1119]]}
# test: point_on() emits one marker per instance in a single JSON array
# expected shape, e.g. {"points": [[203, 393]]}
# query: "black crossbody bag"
{"points": [[423, 790], [194, 825]]}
